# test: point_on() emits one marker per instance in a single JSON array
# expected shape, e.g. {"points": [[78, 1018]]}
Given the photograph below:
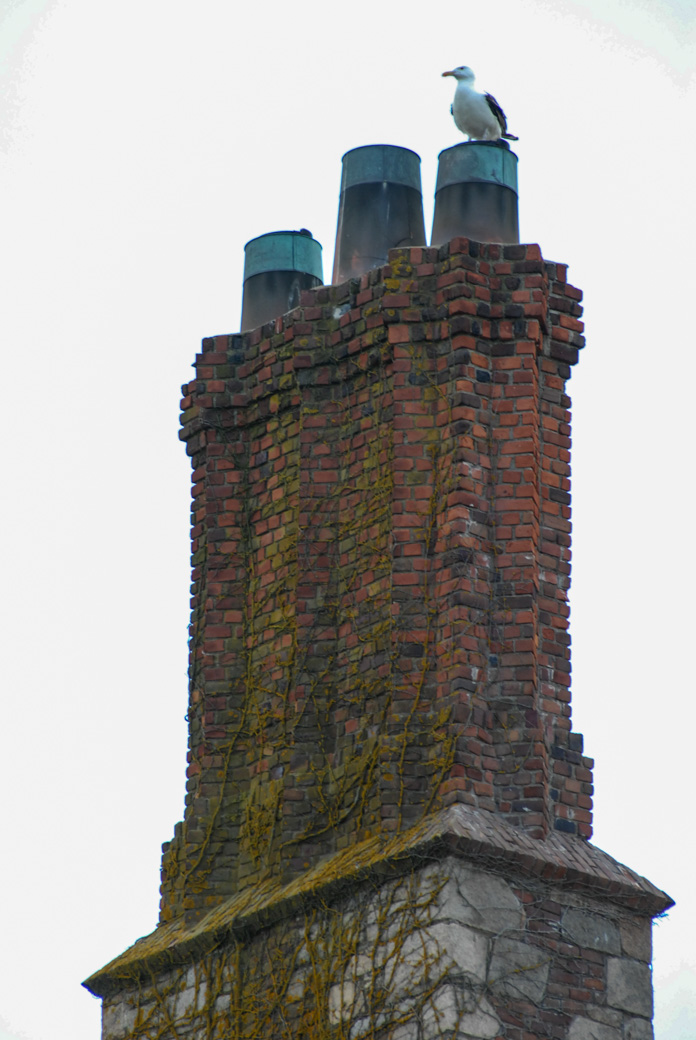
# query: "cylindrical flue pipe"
{"points": [[476, 193], [381, 207], [277, 267]]}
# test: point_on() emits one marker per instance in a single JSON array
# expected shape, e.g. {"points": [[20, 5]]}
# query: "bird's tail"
{"points": [[510, 137]]}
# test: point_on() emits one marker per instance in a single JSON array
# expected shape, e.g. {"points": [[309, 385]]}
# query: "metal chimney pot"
{"points": [[476, 193], [277, 267], [380, 208]]}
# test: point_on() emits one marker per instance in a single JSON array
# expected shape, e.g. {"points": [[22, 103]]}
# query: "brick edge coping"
{"points": [[560, 859]]}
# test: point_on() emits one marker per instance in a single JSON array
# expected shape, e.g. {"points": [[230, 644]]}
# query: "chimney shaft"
{"points": [[476, 194], [381, 207]]}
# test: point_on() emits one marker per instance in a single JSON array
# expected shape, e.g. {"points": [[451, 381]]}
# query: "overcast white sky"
{"points": [[143, 142]]}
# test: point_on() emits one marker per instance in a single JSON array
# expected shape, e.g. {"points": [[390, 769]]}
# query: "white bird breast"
{"points": [[473, 116]]}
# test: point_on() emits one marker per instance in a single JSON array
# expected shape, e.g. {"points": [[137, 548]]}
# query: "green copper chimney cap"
{"points": [[283, 251], [376, 163], [483, 162]]}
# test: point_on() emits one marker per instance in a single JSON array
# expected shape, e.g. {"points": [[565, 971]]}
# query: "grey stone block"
{"points": [[451, 1010], [193, 994], [481, 900], [463, 947], [636, 938], [585, 1029], [222, 1002], [435, 949], [297, 984], [607, 1016], [405, 1031], [119, 1018], [518, 970], [629, 986], [638, 1029], [341, 1002], [481, 1023], [591, 931], [441, 1015]]}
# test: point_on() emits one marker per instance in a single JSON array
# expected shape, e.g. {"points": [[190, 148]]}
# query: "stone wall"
{"points": [[427, 943]]}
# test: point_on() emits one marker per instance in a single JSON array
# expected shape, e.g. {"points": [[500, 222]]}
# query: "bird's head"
{"points": [[462, 72]]}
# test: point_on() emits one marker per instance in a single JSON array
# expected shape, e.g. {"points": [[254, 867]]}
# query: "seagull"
{"points": [[479, 116]]}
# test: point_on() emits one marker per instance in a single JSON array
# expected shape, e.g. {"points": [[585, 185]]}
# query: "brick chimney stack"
{"points": [[388, 812], [381, 554]]}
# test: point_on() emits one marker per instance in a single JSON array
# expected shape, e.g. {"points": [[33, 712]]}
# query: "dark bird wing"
{"points": [[500, 116]]}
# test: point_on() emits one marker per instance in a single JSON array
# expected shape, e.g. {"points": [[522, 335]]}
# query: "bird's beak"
{"points": [[448, 73]]}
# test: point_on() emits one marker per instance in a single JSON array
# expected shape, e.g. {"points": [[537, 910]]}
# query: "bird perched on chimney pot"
{"points": [[479, 116]]}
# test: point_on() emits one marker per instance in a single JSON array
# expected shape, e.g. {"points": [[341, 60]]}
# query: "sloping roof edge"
{"points": [[560, 859]]}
